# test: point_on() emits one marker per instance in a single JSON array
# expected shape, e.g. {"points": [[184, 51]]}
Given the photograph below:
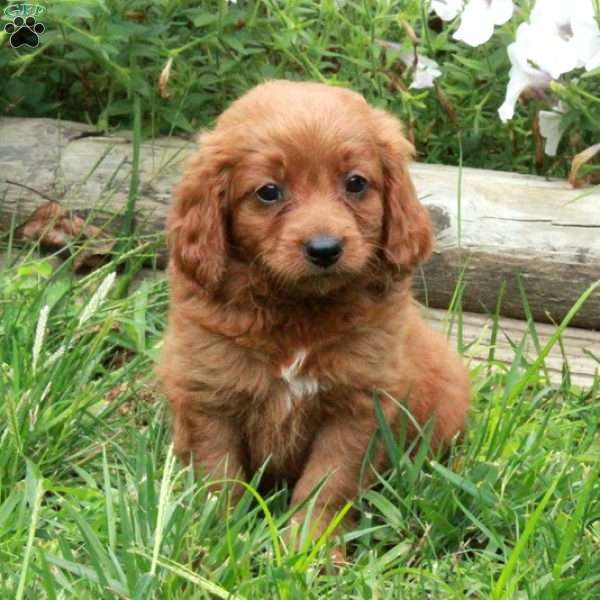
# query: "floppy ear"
{"points": [[408, 235], [196, 224]]}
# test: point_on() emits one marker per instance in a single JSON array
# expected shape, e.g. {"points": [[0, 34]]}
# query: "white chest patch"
{"points": [[299, 386]]}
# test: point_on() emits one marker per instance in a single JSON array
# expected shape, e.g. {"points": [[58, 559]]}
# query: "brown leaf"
{"points": [[578, 161], [56, 229], [93, 255], [446, 104], [43, 225], [136, 15], [116, 391]]}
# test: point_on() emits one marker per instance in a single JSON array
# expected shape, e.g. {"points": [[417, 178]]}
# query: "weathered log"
{"points": [[511, 226], [579, 348], [87, 173]]}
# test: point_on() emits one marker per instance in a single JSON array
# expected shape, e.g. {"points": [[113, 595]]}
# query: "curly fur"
{"points": [[269, 357]]}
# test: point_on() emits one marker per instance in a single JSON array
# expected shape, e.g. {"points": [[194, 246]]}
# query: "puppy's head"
{"points": [[305, 183]]}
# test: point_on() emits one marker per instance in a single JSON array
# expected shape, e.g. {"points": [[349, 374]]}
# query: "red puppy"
{"points": [[292, 240]]}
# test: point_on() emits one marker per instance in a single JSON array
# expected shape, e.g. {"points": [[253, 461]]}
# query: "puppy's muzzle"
{"points": [[323, 250]]}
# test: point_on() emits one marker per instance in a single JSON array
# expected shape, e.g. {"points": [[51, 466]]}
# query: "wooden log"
{"points": [[511, 227], [492, 227], [579, 349]]}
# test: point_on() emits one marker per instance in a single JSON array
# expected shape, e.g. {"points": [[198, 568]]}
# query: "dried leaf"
{"points": [[578, 161], [163, 81], [93, 255], [410, 32], [42, 225], [446, 104], [56, 229], [116, 391], [138, 16]]}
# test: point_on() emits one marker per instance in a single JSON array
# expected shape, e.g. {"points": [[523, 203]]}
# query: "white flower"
{"points": [[566, 35], [550, 128], [425, 70], [447, 9], [560, 36], [478, 19], [522, 75], [593, 63], [586, 34]]}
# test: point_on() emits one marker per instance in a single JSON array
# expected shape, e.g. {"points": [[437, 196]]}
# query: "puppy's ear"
{"points": [[408, 235], [196, 224]]}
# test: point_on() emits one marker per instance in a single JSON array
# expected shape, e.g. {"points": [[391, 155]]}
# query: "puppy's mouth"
{"points": [[317, 288], [310, 280], [319, 266], [323, 281]]}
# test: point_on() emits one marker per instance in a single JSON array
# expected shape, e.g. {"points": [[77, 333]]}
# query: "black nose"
{"points": [[323, 250]]}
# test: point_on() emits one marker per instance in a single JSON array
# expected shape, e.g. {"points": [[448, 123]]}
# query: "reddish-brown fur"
{"points": [[245, 302]]}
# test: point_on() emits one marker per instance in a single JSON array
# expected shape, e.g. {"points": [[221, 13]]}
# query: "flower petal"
{"points": [[520, 80], [426, 70], [586, 38], [516, 85], [568, 35], [446, 9], [476, 25], [541, 45], [501, 11], [550, 129], [550, 11], [593, 63]]}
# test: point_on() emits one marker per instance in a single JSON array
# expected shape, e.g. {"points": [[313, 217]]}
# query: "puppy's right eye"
{"points": [[356, 184], [269, 193]]}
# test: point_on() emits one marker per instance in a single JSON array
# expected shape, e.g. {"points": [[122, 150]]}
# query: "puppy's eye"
{"points": [[269, 193], [355, 184]]}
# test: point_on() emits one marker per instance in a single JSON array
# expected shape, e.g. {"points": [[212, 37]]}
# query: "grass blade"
{"points": [[38, 494], [500, 590], [575, 523], [192, 577]]}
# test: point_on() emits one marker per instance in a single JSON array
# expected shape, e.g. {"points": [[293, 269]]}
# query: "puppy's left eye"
{"points": [[355, 184], [269, 193]]}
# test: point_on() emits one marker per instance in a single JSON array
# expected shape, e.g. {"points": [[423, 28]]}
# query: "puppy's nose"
{"points": [[323, 250]]}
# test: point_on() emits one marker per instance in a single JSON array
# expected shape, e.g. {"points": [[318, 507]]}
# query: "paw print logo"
{"points": [[24, 32]]}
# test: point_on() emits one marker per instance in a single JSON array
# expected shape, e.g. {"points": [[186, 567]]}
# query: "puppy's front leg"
{"points": [[211, 441], [336, 457]]}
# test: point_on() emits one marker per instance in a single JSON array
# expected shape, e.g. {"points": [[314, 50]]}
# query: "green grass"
{"points": [[94, 505]]}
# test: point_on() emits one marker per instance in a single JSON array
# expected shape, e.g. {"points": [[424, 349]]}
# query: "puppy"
{"points": [[292, 240]]}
